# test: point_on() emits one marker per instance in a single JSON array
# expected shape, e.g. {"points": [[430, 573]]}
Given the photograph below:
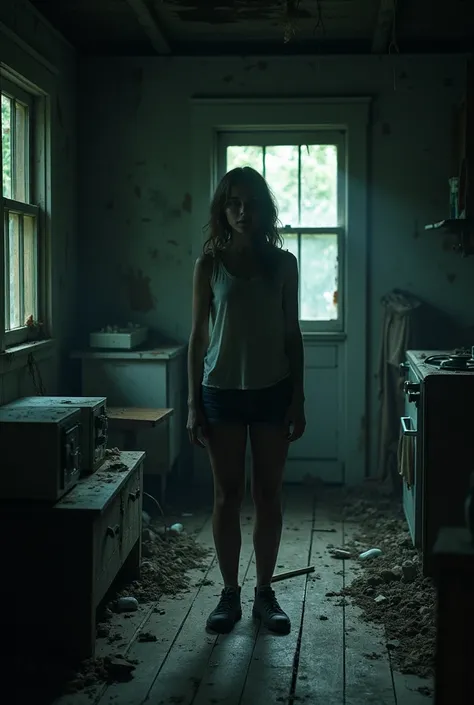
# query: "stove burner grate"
{"points": [[460, 359]]}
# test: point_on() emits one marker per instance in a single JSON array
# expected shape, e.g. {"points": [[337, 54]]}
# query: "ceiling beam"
{"points": [[149, 23], [384, 25]]}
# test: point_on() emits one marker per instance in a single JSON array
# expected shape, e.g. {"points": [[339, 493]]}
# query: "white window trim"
{"points": [[211, 116], [39, 177], [292, 137]]}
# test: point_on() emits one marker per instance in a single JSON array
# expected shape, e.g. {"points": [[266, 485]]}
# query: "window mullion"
{"points": [[264, 158], [299, 184], [13, 148], [6, 268], [299, 273], [21, 267]]}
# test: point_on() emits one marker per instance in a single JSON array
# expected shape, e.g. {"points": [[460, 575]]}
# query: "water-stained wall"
{"points": [[136, 214]]}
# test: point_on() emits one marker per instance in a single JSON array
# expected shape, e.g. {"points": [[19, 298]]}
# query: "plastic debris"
{"points": [[176, 528], [127, 604], [371, 553]]}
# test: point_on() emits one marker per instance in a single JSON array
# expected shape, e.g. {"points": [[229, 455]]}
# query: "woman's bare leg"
{"points": [[226, 446], [269, 452]]}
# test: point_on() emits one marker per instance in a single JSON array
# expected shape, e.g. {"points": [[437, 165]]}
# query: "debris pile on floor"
{"points": [[166, 559], [391, 589], [101, 670]]}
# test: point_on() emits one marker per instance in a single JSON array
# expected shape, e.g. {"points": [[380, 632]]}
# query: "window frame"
{"points": [[20, 89], [338, 137]]}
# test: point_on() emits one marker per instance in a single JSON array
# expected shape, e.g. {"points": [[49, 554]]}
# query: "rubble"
{"points": [[107, 670], [392, 590], [167, 559]]}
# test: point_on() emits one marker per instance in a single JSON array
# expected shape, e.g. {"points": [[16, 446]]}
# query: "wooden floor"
{"points": [[331, 657]]}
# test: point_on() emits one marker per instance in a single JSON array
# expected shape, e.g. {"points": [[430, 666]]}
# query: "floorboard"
{"points": [[412, 690], [320, 679], [270, 673], [368, 676]]}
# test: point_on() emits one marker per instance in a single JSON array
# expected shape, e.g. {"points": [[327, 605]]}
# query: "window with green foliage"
{"points": [[20, 214], [306, 173]]}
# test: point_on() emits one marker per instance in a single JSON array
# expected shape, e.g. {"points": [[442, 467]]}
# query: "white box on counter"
{"points": [[120, 339]]}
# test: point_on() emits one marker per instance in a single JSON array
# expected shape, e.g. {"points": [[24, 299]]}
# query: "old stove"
{"points": [[439, 421]]}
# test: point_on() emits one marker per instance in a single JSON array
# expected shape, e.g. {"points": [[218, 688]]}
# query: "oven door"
{"points": [[410, 458]]}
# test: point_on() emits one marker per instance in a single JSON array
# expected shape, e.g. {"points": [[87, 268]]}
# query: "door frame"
{"points": [[210, 116]]}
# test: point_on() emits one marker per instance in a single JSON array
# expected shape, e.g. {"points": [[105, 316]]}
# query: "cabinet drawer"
{"points": [[132, 495], [105, 578], [108, 538]]}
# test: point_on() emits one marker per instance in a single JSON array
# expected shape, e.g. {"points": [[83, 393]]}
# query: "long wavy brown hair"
{"points": [[218, 227]]}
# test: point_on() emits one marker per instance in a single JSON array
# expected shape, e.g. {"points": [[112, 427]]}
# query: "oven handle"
{"points": [[406, 422]]}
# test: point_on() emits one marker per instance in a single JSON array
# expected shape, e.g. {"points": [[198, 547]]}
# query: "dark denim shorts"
{"points": [[248, 406]]}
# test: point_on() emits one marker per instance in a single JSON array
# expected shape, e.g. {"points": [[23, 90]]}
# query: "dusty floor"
{"points": [[363, 631]]}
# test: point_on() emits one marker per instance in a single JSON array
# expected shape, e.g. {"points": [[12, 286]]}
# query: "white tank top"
{"points": [[247, 337]]}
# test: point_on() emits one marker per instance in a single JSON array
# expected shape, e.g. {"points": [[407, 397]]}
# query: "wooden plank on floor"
{"points": [[197, 653], [412, 690], [368, 678], [124, 628], [270, 673], [320, 678]]}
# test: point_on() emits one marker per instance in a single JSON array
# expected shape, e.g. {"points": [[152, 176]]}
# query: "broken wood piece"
{"points": [[340, 553], [293, 573]]}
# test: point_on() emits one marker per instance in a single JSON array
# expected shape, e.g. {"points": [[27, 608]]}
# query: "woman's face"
{"points": [[243, 211]]}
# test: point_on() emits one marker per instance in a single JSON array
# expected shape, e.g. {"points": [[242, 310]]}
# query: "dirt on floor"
{"points": [[390, 588], [166, 559]]}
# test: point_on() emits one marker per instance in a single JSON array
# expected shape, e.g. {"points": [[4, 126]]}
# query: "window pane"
{"points": [[319, 186], [29, 268], [20, 151], [245, 155], [6, 147], [281, 172], [13, 275], [318, 277]]}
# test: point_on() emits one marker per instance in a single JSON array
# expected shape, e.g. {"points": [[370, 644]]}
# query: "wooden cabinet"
{"points": [[153, 378], [61, 560], [454, 576]]}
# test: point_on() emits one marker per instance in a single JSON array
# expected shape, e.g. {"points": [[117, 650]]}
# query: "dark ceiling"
{"points": [[209, 27]]}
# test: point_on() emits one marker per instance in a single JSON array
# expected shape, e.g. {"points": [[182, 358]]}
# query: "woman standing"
{"points": [[246, 379]]}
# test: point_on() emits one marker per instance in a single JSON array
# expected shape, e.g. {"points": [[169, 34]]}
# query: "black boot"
{"points": [[267, 609], [227, 613]]}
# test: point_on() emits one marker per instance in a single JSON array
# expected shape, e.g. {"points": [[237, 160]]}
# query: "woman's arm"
{"points": [[293, 337], [199, 338]]}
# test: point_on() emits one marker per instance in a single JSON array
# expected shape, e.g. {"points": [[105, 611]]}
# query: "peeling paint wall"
{"points": [[20, 18], [136, 220]]}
